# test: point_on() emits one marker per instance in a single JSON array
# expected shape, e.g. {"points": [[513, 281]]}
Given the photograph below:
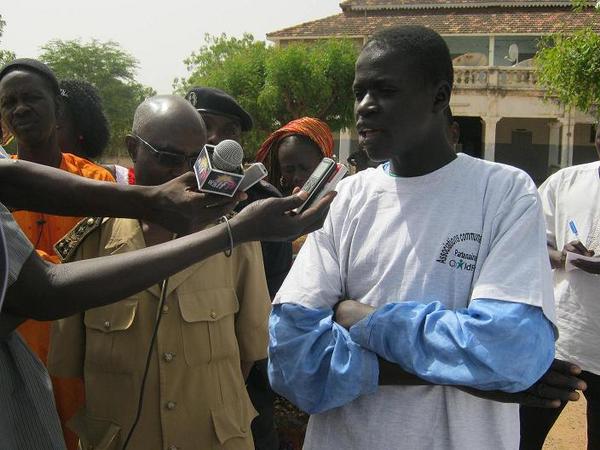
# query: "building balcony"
{"points": [[494, 78]]}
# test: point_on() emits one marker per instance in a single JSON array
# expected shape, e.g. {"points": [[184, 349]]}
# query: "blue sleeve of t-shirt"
{"points": [[491, 345], [313, 362]]}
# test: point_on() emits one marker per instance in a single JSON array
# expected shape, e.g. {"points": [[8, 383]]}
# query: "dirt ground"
{"points": [[569, 431]]}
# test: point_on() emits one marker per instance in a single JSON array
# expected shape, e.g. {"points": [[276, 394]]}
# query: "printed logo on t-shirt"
{"points": [[460, 251]]}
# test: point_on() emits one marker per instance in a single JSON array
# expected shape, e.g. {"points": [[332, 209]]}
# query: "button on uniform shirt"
{"points": [[44, 230], [215, 315], [28, 418]]}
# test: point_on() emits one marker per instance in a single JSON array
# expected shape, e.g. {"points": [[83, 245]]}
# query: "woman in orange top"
{"points": [[30, 107]]}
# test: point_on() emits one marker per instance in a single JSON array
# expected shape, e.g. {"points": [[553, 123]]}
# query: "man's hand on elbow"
{"points": [[558, 385], [349, 312]]}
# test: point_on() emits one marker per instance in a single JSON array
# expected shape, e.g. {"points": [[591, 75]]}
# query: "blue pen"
{"points": [[574, 230]]}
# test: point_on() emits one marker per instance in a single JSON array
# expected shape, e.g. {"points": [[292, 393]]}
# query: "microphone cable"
{"points": [[161, 302], [40, 223]]}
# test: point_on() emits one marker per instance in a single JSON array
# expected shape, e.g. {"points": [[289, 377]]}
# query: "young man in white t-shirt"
{"points": [[443, 258], [571, 202]]}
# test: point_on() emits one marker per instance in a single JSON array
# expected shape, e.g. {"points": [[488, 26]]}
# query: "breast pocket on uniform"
{"points": [[105, 326], [208, 325]]}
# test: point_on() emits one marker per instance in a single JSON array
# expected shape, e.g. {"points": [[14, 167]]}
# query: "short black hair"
{"points": [[84, 104], [426, 48], [35, 66]]}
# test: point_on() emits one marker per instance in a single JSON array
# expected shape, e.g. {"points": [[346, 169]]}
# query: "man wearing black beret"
{"points": [[226, 119]]}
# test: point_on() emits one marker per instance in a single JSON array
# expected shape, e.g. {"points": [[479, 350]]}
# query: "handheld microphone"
{"points": [[228, 156], [218, 168]]}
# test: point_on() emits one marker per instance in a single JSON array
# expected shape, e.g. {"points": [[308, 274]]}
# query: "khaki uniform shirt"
{"points": [[215, 315]]}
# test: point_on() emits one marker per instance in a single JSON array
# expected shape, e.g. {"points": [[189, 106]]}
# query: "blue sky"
{"points": [[160, 34]]}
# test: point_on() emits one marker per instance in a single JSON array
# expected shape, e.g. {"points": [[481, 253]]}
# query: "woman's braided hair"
{"points": [[90, 122]]}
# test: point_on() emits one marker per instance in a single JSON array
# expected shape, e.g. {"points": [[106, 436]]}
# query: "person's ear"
{"points": [[132, 146], [442, 96]]}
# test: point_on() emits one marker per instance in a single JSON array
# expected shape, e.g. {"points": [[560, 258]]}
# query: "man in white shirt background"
{"points": [[571, 200]]}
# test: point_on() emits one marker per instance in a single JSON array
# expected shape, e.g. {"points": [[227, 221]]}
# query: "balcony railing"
{"points": [[507, 78]]}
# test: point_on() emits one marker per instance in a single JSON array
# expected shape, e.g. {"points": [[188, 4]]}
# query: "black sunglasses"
{"points": [[170, 159]]}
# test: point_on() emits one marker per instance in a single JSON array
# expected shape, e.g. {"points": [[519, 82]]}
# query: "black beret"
{"points": [[31, 65], [215, 101]]}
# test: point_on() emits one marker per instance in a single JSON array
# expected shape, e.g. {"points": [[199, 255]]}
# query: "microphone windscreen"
{"points": [[228, 156]]}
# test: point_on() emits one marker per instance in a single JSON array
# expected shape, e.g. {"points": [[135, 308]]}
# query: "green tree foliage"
{"points": [[311, 80], [568, 68], [579, 5], [5, 55], [277, 84], [237, 66], [111, 70]]}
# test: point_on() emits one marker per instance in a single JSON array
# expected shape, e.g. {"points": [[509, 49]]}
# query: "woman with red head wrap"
{"points": [[291, 153]]}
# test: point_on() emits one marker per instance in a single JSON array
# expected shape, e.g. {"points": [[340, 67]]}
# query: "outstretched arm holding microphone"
{"points": [[176, 204], [48, 292]]}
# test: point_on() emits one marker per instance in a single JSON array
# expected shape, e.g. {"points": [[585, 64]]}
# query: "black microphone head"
{"points": [[228, 156]]}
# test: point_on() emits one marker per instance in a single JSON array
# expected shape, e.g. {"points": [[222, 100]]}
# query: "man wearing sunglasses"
{"points": [[213, 321], [169, 158]]}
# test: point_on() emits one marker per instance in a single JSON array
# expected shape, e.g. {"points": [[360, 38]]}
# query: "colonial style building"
{"points": [[500, 108]]}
